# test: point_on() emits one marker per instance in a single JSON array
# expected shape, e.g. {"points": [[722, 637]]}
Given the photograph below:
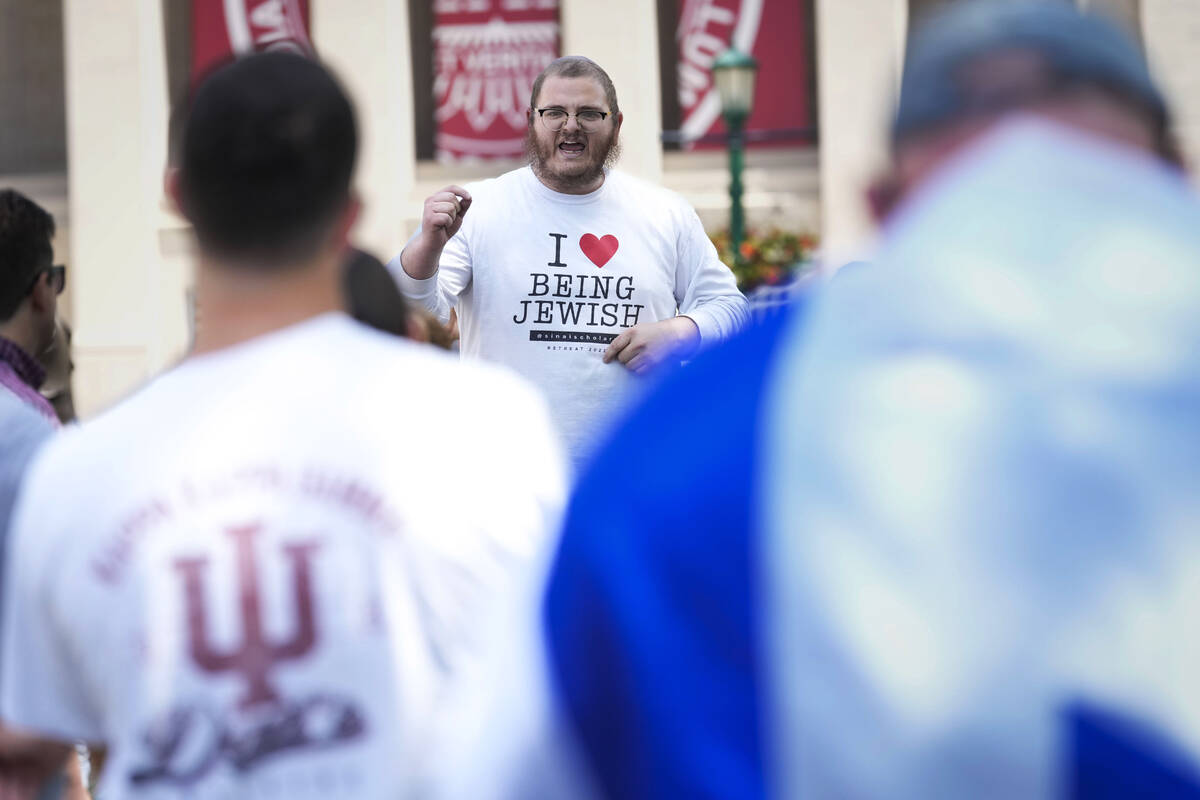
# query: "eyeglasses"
{"points": [[58, 278], [589, 120]]}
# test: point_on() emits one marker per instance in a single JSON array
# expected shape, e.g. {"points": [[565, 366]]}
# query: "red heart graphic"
{"points": [[598, 250]]}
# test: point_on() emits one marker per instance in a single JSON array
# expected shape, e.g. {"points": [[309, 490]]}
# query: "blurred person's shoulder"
{"points": [[330, 372], [373, 379], [403, 395], [329, 388], [470, 429], [705, 418], [487, 389]]}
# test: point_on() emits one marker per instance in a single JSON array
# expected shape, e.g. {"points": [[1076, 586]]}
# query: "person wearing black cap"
{"points": [[941, 541]]}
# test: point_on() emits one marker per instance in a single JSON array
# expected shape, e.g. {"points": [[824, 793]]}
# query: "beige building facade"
{"points": [[130, 256]]}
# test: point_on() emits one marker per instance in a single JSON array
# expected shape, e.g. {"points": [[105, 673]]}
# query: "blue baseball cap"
{"points": [[1077, 47]]}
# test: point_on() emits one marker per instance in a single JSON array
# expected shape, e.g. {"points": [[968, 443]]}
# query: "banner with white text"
{"points": [[486, 56], [775, 33]]}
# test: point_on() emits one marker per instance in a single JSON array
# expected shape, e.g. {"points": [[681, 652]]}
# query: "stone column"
{"points": [[367, 43], [129, 270], [1171, 34], [622, 37], [860, 47]]}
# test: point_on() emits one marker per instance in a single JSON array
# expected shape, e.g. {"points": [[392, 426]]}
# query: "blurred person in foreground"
{"points": [[942, 540], [573, 273], [29, 287], [243, 599]]}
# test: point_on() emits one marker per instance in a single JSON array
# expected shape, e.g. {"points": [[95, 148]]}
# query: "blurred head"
{"points": [[372, 296], [572, 158], [265, 162], [29, 280], [979, 61]]}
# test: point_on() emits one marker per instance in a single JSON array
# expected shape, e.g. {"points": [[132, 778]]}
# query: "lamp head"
{"points": [[734, 73]]}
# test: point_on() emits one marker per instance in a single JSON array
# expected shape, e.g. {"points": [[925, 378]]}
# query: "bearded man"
{"points": [[572, 273]]}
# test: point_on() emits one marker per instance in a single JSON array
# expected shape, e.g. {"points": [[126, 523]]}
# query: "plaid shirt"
{"points": [[21, 374]]}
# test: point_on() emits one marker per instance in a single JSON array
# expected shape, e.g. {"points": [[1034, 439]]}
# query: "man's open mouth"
{"points": [[571, 149]]}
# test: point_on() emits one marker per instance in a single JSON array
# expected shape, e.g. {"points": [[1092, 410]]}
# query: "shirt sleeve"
{"points": [[439, 293], [705, 288], [42, 688]]}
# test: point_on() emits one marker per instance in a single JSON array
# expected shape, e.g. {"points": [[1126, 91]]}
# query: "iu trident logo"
{"points": [[256, 656]]}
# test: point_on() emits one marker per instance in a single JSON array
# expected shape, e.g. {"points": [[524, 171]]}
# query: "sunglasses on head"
{"points": [[58, 278]]}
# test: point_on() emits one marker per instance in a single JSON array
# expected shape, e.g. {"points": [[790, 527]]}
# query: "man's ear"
{"points": [[42, 296], [348, 220], [620, 119]]}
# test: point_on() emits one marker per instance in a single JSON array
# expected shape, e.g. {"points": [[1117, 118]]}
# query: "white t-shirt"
{"points": [[252, 579], [544, 281]]}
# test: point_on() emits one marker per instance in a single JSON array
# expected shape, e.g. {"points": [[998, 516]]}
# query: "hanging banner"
{"points": [[775, 33], [486, 55], [221, 28]]}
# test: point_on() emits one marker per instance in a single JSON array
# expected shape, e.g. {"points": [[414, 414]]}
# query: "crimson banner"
{"points": [[221, 28], [486, 55], [774, 32]]}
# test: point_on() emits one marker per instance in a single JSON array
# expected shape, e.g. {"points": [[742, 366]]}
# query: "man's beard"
{"points": [[604, 155]]}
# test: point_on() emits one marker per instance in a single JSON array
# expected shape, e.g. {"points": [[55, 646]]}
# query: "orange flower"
{"points": [[747, 249]]}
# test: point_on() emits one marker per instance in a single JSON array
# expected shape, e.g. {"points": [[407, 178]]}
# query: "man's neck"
{"points": [[551, 183], [236, 304], [20, 332]]}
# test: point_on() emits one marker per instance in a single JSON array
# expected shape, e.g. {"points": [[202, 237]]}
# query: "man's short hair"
{"points": [[266, 159], [26, 232], [577, 67]]}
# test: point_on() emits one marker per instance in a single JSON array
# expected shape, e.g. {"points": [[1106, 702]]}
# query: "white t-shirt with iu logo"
{"points": [[253, 580]]}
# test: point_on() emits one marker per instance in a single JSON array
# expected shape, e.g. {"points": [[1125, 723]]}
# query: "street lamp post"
{"points": [[734, 73]]}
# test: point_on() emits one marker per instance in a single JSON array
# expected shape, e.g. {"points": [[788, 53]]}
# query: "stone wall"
{"points": [[1171, 32]]}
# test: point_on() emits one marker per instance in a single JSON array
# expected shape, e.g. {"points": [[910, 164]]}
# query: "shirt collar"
{"points": [[26, 367]]}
